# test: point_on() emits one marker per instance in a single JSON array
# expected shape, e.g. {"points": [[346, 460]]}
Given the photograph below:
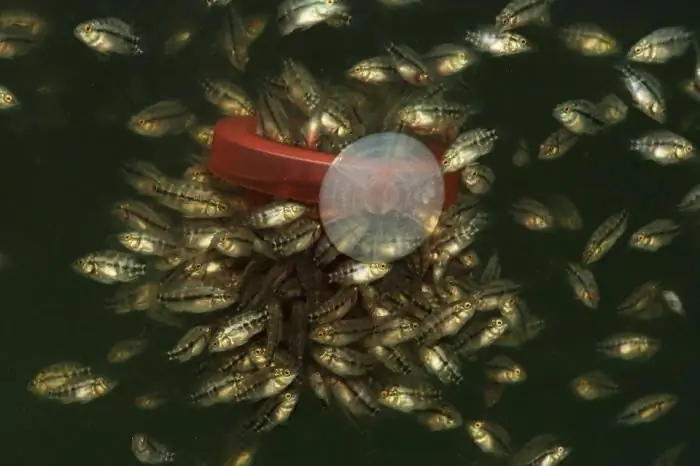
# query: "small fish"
{"points": [[490, 437], [147, 450], [590, 40], [82, 389], [56, 376], [443, 417], [661, 45], [375, 70], [544, 449], [8, 100], [585, 287], [108, 36], [664, 147], [648, 408], [450, 59], [594, 385], [533, 215], [229, 98], [17, 41], [557, 144], [519, 13], [503, 370], [579, 116], [604, 237], [646, 92], [161, 119], [110, 267], [654, 235], [690, 201], [498, 43], [356, 273], [300, 15], [628, 346], [196, 298], [410, 65], [467, 148], [670, 456], [124, 350], [478, 179]]}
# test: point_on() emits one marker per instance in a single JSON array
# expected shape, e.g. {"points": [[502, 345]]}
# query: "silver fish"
{"points": [[108, 35]]}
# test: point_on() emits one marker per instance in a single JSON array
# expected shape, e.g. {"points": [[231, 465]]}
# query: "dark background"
{"points": [[62, 152]]}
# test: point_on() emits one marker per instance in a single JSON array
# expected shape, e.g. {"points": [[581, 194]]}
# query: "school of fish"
{"points": [[270, 312]]}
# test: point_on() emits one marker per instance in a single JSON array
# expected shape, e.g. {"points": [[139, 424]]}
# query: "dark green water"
{"points": [[62, 152]]}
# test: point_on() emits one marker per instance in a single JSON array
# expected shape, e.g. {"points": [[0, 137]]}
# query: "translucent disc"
{"points": [[382, 197]]}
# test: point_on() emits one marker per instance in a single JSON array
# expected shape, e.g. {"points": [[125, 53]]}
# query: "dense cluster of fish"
{"points": [[267, 305]]}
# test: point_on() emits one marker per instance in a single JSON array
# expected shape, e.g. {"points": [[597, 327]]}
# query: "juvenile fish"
{"points": [[467, 148], [648, 408], [196, 298], [629, 346], [478, 179], [498, 43], [519, 13], [664, 147], [594, 385], [410, 65], [110, 267], [533, 215], [661, 45], [590, 40], [375, 70], [604, 237], [654, 235], [8, 100], [229, 98], [450, 59], [147, 450], [544, 449], [109, 35], [164, 118], [123, 351], [82, 389], [490, 437], [557, 144], [646, 92], [16, 41], [584, 285]]}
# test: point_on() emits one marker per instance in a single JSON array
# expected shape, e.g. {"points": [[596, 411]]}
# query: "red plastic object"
{"points": [[267, 169]]}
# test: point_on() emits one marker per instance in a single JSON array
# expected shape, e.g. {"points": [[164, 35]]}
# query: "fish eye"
{"points": [[8, 99], [413, 325], [517, 371], [478, 424], [221, 207], [522, 41], [567, 109], [288, 396], [330, 2], [560, 449], [638, 49], [286, 372], [88, 28], [141, 122], [128, 237], [498, 322]]}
